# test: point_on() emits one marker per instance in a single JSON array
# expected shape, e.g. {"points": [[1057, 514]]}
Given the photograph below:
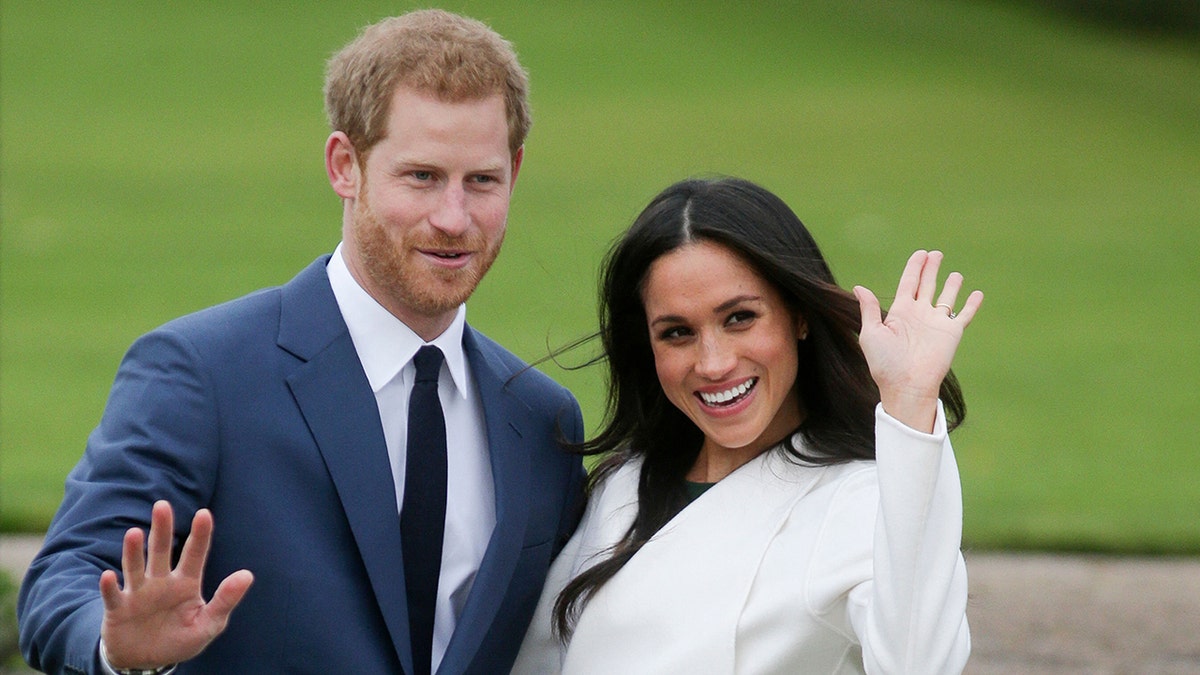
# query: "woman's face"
{"points": [[725, 347]]}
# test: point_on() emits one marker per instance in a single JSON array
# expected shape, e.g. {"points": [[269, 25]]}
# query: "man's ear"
{"points": [[341, 163], [516, 167]]}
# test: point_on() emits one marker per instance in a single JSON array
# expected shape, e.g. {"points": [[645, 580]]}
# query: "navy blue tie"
{"points": [[423, 514]]}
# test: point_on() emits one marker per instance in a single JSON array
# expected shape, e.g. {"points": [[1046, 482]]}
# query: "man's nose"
{"points": [[450, 215]]}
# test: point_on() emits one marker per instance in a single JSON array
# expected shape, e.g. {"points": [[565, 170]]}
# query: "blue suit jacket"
{"points": [[259, 410]]}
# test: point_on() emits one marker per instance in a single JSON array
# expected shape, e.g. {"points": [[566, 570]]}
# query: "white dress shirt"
{"points": [[386, 347]]}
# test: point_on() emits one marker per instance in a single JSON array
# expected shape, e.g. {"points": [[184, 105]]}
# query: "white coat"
{"points": [[778, 568]]}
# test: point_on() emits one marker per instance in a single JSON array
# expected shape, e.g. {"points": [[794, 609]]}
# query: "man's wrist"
{"points": [[108, 668]]}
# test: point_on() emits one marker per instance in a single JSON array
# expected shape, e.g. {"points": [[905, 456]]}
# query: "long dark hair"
{"points": [[833, 381]]}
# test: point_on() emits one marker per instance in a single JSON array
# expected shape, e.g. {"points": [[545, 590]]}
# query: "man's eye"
{"points": [[422, 175]]}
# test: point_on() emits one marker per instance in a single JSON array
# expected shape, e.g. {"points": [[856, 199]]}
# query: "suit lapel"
{"points": [[335, 398], [503, 414]]}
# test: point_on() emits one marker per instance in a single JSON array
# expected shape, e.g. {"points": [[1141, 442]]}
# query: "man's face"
{"points": [[432, 206]]}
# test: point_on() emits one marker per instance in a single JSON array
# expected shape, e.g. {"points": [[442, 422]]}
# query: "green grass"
{"points": [[156, 158]]}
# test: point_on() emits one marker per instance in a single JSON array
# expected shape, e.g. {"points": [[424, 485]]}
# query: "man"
{"points": [[284, 418]]}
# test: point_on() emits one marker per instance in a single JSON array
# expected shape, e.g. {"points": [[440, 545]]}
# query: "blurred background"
{"points": [[157, 158]]}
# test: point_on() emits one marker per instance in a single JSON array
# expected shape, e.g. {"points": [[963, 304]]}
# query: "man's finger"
{"points": [[162, 526], [110, 591], [133, 557], [229, 593], [195, 548]]}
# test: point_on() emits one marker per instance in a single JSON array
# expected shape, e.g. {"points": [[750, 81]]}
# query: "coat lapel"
{"points": [[693, 576], [335, 398], [503, 414]]}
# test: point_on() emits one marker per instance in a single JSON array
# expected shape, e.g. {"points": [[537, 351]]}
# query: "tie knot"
{"points": [[429, 362]]}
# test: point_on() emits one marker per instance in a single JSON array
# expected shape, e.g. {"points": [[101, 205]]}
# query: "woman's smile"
{"points": [[728, 397]]}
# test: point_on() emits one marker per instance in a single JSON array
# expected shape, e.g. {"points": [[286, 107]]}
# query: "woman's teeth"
{"points": [[729, 395]]}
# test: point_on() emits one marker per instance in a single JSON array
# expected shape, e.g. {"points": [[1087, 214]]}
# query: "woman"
{"points": [[780, 494]]}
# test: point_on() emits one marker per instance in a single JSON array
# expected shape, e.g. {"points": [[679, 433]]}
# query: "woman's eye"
{"points": [[740, 317], [673, 333]]}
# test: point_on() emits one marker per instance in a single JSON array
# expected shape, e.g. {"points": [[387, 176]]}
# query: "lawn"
{"points": [[156, 158]]}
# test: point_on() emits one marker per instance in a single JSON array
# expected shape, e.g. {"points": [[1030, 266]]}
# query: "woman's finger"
{"points": [[910, 278], [868, 306], [974, 300], [929, 276], [949, 294]]}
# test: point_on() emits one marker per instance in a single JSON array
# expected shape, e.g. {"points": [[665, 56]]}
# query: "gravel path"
{"points": [[1039, 614], [1047, 614]]}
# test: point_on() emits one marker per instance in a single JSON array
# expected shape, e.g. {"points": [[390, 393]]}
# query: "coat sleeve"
{"points": [[575, 485], [910, 617], [156, 440], [610, 511]]}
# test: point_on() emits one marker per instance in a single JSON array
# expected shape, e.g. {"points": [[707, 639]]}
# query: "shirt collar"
{"points": [[384, 343]]}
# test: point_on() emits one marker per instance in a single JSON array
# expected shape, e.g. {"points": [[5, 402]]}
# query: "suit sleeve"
{"points": [[573, 433], [156, 440], [910, 617]]}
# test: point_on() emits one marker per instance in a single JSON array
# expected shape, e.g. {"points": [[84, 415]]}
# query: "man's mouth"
{"points": [[445, 255]]}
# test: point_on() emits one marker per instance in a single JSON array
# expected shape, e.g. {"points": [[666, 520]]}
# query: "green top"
{"points": [[694, 490]]}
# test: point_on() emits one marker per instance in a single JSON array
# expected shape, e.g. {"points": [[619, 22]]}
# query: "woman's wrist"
{"points": [[916, 412]]}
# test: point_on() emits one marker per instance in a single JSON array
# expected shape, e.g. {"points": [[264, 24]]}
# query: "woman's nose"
{"points": [[715, 359]]}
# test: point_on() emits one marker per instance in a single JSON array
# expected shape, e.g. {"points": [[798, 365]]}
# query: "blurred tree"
{"points": [[1173, 17]]}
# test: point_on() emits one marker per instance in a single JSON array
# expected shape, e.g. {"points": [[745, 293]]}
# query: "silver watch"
{"points": [[144, 671]]}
